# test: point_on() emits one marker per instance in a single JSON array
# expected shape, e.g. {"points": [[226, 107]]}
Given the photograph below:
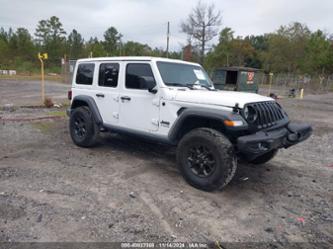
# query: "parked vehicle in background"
{"points": [[241, 79], [175, 102]]}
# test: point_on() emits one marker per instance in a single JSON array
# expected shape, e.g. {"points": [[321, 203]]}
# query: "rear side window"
{"points": [[108, 74], [138, 75], [85, 74]]}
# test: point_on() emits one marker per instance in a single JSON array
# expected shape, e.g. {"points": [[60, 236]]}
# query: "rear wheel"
{"points": [[265, 157], [83, 128], [206, 159]]}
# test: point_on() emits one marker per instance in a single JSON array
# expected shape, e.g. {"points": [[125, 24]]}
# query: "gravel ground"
{"points": [[131, 190], [29, 92]]}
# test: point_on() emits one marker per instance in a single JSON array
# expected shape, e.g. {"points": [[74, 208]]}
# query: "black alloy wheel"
{"points": [[201, 160], [80, 126], [206, 159]]}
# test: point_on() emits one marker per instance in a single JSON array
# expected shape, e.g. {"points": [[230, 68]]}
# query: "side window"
{"points": [[108, 74], [139, 76], [85, 74]]}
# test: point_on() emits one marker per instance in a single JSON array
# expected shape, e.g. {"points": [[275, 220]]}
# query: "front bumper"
{"points": [[255, 145]]}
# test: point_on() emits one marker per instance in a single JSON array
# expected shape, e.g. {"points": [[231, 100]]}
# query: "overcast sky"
{"points": [[145, 20]]}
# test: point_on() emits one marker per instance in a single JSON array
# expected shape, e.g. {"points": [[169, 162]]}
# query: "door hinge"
{"points": [[165, 124], [156, 102]]}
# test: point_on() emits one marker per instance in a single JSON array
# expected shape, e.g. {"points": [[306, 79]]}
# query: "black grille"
{"points": [[269, 114]]}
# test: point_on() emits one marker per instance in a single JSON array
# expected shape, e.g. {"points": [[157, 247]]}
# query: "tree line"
{"points": [[19, 48], [293, 48]]}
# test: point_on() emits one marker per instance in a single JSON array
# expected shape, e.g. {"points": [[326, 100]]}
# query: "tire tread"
{"points": [[224, 146], [91, 140]]}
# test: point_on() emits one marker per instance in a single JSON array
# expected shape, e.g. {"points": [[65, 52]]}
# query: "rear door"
{"points": [[84, 79], [139, 108], [107, 91]]}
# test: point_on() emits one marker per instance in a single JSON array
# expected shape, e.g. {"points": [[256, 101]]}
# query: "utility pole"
{"points": [[65, 68], [168, 39]]}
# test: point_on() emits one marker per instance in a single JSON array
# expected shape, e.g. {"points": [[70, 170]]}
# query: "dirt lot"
{"points": [[131, 190], [18, 93]]}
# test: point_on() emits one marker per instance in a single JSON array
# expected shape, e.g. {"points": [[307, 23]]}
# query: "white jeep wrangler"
{"points": [[174, 102]]}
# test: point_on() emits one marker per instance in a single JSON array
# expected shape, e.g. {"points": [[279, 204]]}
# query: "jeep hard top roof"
{"points": [[135, 58]]}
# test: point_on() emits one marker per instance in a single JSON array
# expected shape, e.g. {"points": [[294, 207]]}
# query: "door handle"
{"points": [[100, 95], [125, 98]]}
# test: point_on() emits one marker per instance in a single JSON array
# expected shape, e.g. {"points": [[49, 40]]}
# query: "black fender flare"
{"points": [[206, 114], [91, 104]]}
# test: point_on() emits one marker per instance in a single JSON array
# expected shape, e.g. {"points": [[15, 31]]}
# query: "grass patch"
{"points": [[57, 114], [44, 127]]}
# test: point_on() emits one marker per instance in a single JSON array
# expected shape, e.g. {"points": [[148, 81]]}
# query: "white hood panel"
{"points": [[222, 98]]}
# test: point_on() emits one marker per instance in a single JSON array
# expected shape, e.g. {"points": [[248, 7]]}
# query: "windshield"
{"points": [[177, 74]]}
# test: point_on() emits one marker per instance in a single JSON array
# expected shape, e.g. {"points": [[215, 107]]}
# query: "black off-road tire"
{"points": [[219, 147], [82, 117], [265, 157]]}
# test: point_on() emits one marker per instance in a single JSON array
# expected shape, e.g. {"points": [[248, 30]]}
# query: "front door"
{"points": [[139, 108], [106, 93]]}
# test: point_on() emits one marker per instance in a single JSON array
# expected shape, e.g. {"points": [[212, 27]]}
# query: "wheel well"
{"points": [[88, 102], [79, 103], [199, 122]]}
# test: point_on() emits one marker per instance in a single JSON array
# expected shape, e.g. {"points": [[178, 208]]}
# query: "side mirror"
{"points": [[149, 84], [153, 90]]}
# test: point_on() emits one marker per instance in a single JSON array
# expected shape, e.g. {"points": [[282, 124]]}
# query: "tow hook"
{"points": [[293, 137]]}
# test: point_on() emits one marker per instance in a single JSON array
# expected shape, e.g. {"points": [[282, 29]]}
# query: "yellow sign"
{"points": [[43, 56]]}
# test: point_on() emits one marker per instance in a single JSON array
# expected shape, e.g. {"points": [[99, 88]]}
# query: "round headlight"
{"points": [[250, 114]]}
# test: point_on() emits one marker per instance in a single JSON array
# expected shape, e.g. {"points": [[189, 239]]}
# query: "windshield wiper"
{"points": [[208, 88], [202, 85], [190, 86]]}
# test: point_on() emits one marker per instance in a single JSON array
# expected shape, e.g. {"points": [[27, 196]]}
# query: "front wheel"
{"points": [[206, 159]]}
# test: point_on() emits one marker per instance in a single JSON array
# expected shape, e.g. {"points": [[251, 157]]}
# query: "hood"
{"points": [[222, 98]]}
